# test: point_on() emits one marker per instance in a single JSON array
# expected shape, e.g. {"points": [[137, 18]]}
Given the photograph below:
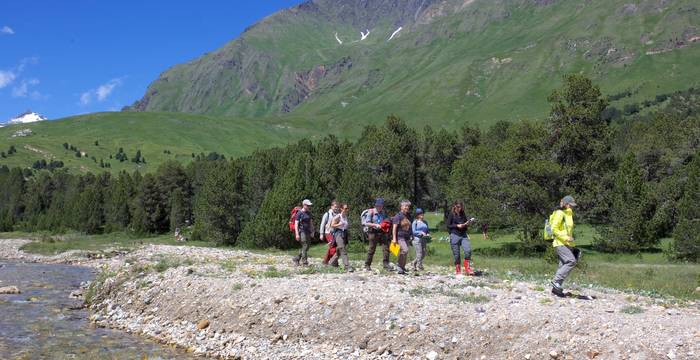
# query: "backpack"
{"points": [[329, 220], [367, 216], [293, 218], [548, 231]]}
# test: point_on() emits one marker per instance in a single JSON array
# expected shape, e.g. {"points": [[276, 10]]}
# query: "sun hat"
{"points": [[307, 202], [568, 199]]}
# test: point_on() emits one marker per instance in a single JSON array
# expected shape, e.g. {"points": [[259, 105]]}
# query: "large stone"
{"points": [[203, 324], [9, 290]]}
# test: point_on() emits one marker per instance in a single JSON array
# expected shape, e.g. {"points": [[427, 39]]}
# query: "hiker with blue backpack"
{"points": [[560, 229], [421, 235], [372, 220]]}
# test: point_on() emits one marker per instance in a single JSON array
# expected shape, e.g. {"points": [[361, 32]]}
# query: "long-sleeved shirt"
{"points": [[327, 217], [563, 227], [455, 219], [419, 228]]}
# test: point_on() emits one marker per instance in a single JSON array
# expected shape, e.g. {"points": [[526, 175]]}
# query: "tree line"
{"points": [[636, 179]]}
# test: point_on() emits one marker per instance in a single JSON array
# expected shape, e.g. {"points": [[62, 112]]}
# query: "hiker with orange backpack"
{"points": [[372, 226], [326, 232], [457, 225], [303, 232], [402, 234]]}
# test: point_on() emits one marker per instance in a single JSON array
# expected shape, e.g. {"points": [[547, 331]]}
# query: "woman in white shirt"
{"points": [[340, 234]]}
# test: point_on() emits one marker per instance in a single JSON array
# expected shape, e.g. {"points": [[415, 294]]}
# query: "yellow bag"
{"points": [[394, 248]]}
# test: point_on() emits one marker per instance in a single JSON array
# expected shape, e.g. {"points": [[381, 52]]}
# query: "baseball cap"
{"points": [[379, 202], [568, 199], [419, 211], [307, 202]]}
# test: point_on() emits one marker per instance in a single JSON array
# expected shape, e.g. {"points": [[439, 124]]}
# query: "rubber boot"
{"points": [[468, 270], [458, 270]]}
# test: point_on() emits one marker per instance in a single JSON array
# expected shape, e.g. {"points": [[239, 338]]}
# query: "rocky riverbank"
{"points": [[238, 304]]}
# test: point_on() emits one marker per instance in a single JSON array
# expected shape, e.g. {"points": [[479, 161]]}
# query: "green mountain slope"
{"points": [[481, 60], [159, 137]]}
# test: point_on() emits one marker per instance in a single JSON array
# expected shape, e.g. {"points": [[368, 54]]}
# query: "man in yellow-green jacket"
{"points": [[563, 232]]}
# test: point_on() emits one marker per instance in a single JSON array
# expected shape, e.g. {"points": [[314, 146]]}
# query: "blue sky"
{"points": [[62, 58]]}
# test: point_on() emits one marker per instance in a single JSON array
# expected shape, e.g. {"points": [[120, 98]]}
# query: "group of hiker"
{"points": [[404, 229]]}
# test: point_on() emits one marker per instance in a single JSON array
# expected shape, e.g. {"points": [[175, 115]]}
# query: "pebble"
{"points": [[203, 324], [9, 290], [258, 321]]}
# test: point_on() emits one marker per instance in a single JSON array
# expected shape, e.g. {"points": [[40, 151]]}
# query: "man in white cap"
{"points": [[303, 229], [563, 233]]}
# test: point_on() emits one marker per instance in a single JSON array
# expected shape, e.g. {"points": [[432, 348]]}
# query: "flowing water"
{"points": [[39, 323]]}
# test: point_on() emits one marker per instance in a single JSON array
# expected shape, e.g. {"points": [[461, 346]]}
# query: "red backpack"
{"points": [[293, 218]]}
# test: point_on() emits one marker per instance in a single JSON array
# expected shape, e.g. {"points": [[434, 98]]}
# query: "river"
{"points": [[43, 322]]}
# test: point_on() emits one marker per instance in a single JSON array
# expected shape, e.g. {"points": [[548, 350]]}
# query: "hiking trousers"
{"points": [[341, 249], [403, 253], [568, 257], [303, 256], [421, 248], [455, 242], [374, 240]]}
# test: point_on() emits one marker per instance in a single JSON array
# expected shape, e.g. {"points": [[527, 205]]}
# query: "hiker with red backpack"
{"points": [[402, 234], [457, 225], [303, 232], [372, 226], [326, 232]]}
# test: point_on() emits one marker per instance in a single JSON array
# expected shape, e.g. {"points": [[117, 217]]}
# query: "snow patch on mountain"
{"points": [[395, 32], [26, 118], [364, 35], [338, 39]]}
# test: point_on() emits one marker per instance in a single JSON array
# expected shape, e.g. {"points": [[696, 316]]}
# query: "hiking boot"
{"points": [[368, 268], [402, 272], [467, 269], [421, 268], [558, 291], [388, 267], [350, 269], [458, 270], [295, 261]]}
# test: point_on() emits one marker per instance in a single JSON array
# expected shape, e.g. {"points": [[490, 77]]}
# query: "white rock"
{"points": [[431, 355]]}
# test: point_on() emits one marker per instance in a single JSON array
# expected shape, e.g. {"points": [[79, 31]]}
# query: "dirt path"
{"points": [[236, 304]]}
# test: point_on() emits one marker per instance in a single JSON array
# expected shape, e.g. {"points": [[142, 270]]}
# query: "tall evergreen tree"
{"points": [[686, 235], [628, 230], [218, 209], [580, 142]]}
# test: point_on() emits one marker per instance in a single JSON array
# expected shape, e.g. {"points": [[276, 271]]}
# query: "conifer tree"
{"points": [[686, 235], [628, 230]]}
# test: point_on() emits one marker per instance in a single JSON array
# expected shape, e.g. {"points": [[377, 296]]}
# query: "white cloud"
{"points": [[23, 90], [101, 93], [7, 30], [86, 98], [104, 90], [6, 77]]}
